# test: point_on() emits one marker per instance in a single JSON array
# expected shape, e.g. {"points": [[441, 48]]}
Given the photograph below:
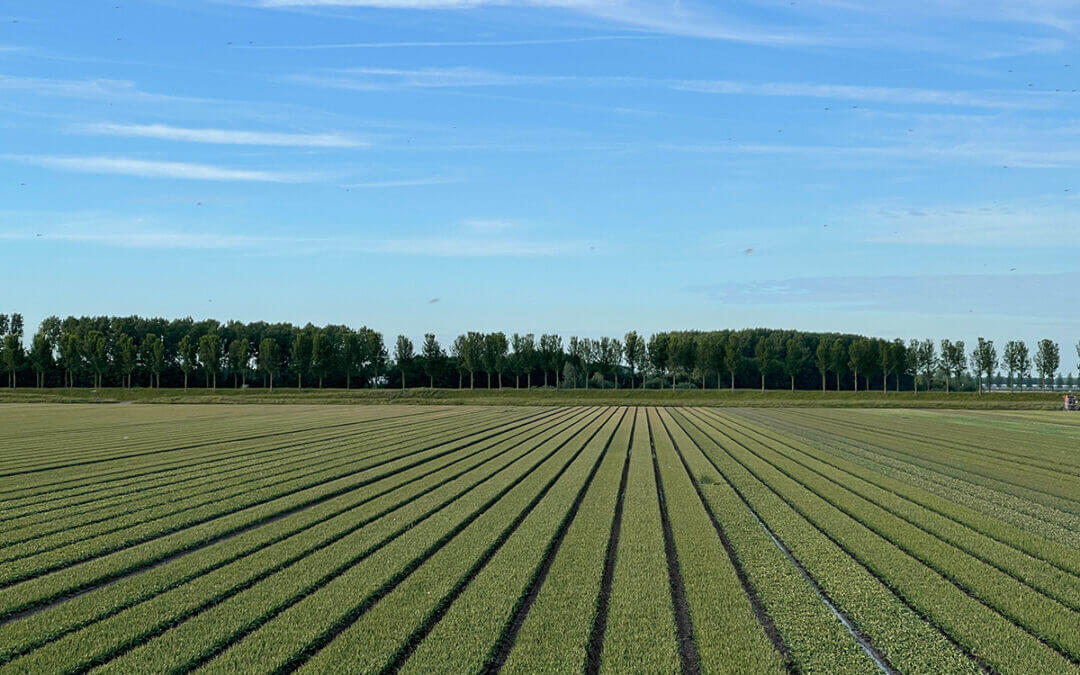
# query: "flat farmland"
{"points": [[455, 539]]}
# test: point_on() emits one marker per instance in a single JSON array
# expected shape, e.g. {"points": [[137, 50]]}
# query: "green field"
{"points": [[467, 538]]}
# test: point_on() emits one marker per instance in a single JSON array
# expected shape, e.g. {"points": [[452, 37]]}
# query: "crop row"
{"points": [[211, 486], [120, 562], [283, 540], [326, 592], [985, 633]]}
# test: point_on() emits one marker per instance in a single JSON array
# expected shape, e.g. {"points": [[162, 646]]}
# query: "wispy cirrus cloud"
{"points": [[96, 88], [451, 43], [686, 19], [225, 136], [127, 166], [465, 239], [1002, 156], [376, 79], [844, 92], [425, 246]]}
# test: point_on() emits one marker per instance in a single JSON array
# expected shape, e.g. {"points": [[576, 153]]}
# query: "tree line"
{"points": [[156, 352]]}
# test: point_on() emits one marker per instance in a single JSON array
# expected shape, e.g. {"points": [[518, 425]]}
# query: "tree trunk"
{"points": [[703, 381], [517, 380], [402, 381], [528, 380], [763, 383], [185, 380], [431, 381], [885, 383], [838, 380], [856, 380], [545, 378], [299, 381], [500, 379], [946, 385], [489, 379], [472, 381], [733, 381], [823, 381], [271, 382], [320, 381], [793, 384]]}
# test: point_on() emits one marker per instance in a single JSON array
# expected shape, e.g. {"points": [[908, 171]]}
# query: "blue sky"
{"points": [[581, 166]]}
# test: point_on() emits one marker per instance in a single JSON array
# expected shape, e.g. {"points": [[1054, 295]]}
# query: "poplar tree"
{"points": [[823, 355], [795, 357], [403, 355], [432, 355], [633, 351], [210, 357], [267, 359], [1047, 360]]}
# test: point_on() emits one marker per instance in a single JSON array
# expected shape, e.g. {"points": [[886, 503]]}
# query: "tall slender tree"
{"points": [[350, 355], [928, 360], [860, 353], [658, 351], [795, 356], [1013, 356], [187, 351], [431, 356], [238, 359], [984, 360], [41, 357], [838, 356], [459, 350], [633, 351], [1047, 361], [495, 348], [953, 359], [823, 359], [127, 357], [526, 358], [267, 359], [403, 356], [764, 357], [733, 355], [550, 352], [210, 357], [300, 356]]}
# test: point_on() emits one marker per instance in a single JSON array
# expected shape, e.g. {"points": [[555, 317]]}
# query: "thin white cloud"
{"points": [[697, 20], [376, 79], [225, 136], [405, 182], [437, 247], [841, 92], [127, 166], [974, 154], [97, 89], [451, 43], [144, 233]]}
